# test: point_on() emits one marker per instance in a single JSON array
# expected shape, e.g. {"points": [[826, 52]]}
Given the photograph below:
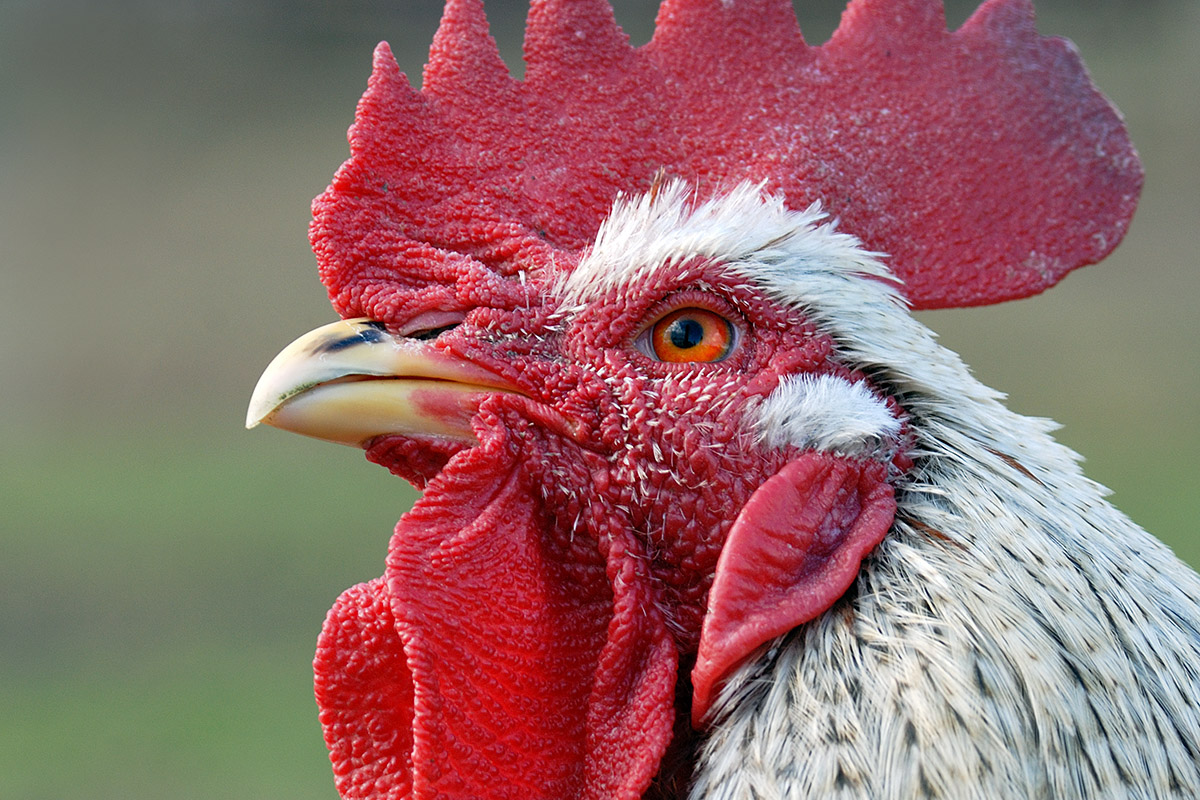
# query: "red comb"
{"points": [[983, 162]]}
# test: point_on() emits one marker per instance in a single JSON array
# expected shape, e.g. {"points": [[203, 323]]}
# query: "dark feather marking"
{"points": [[980, 683], [934, 533], [1087, 759], [926, 786], [1017, 465], [985, 763], [910, 734]]}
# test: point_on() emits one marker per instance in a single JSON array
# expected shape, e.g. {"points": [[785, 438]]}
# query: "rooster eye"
{"points": [[690, 335]]}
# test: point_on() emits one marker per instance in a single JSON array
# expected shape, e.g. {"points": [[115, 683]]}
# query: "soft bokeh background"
{"points": [[163, 573]]}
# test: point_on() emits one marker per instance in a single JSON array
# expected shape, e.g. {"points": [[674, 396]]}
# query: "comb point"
{"points": [[1014, 16], [463, 51], [707, 42], [580, 35], [384, 67], [388, 96], [880, 23]]}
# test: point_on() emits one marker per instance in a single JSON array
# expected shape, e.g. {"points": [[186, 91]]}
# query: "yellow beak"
{"points": [[351, 381]]}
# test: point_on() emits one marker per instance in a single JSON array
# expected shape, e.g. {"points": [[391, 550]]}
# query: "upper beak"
{"points": [[350, 381]]}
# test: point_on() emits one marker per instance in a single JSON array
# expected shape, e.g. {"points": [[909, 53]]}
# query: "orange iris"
{"points": [[691, 334]]}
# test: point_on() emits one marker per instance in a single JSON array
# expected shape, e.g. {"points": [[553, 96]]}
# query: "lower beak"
{"points": [[351, 381]]}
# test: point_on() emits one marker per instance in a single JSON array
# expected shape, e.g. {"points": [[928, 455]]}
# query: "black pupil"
{"points": [[686, 333]]}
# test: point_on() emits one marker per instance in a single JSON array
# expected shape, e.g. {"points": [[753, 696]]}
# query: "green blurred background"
{"points": [[163, 573]]}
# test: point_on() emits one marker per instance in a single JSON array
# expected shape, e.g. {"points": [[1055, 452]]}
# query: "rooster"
{"points": [[707, 513]]}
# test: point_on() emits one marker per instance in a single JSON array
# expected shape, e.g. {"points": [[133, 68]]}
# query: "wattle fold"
{"points": [[486, 664], [365, 693]]}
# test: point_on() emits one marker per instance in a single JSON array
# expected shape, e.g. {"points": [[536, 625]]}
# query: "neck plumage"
{"points": [[1013, 636]]}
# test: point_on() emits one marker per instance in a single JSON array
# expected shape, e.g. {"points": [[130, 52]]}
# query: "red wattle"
{"points": [[487, 664]]}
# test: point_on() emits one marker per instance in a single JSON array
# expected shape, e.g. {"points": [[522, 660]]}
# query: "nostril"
{"points": [[431, 333], [431, 324]]}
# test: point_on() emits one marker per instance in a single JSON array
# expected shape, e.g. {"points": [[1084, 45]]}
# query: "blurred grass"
{"points": [[217, 722], [160, 600], [164, 574]]}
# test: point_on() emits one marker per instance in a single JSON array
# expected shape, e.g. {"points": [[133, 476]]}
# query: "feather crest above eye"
{"points": [[755, 235], [983, 161]]}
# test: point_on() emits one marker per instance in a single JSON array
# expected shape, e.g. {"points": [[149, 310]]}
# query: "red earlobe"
{"points": [[794, 549]]}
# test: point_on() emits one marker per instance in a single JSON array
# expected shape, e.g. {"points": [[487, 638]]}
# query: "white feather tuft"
{"points": [[826, 412]]}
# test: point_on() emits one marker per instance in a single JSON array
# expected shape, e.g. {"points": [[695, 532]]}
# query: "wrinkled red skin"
{"points": [[560, 570]]}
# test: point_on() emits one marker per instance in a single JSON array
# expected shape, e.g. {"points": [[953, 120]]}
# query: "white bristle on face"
{"points": [[826, 412]]}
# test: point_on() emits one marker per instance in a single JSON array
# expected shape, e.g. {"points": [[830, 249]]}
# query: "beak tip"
{"points": [[258, 411]]}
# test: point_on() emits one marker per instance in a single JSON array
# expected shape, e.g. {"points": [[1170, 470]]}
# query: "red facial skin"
{"points": [[549, 590]]}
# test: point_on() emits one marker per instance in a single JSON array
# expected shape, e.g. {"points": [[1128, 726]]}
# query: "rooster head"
{"points": [[605, 318]]}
